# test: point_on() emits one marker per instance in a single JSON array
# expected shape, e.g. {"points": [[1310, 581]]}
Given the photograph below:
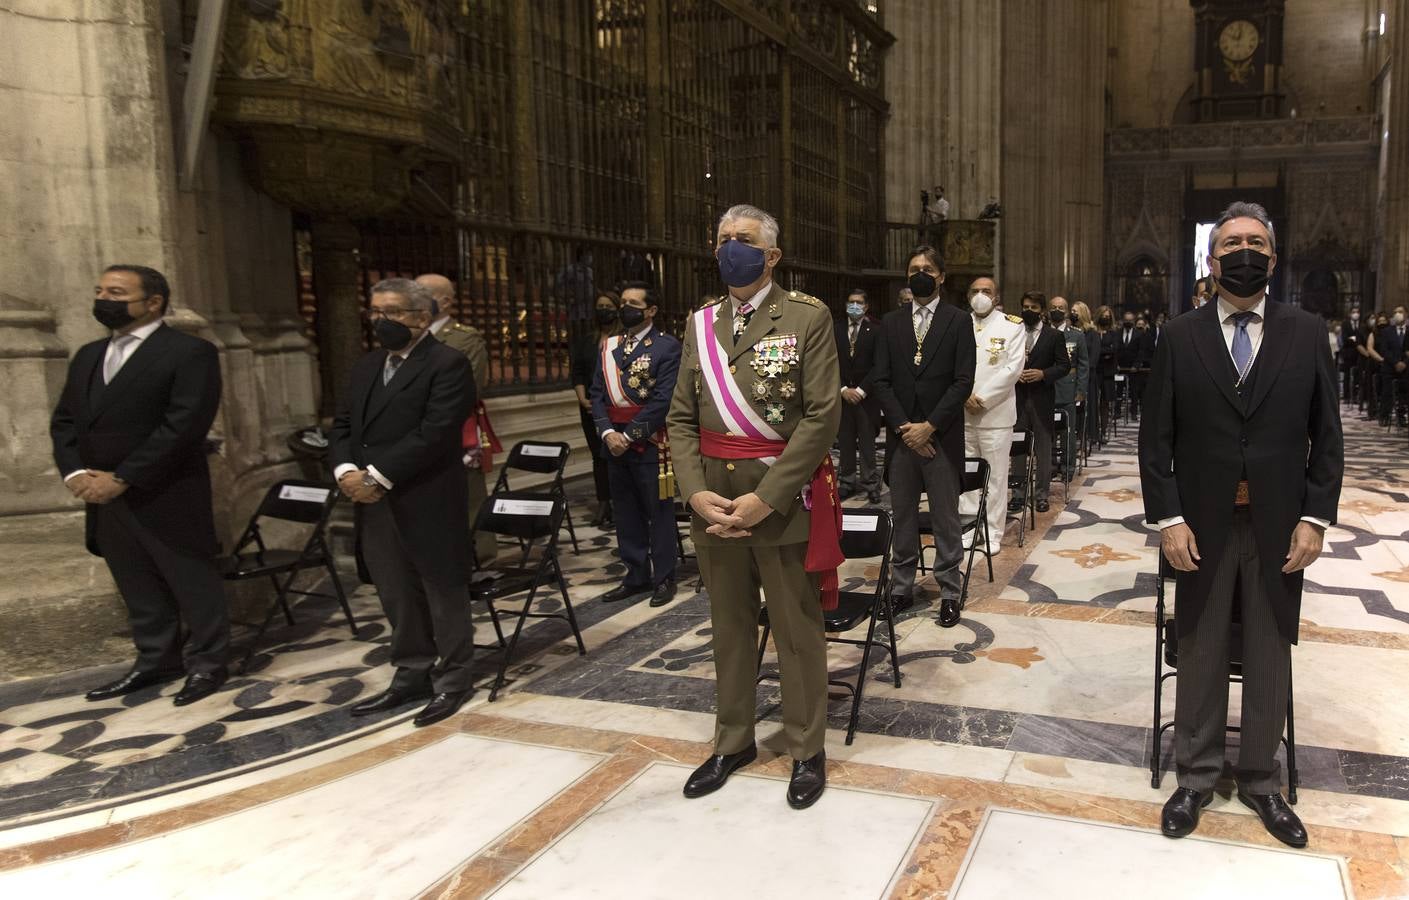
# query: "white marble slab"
{"points": [[1022, 854], [391, 830], [648, 841]]}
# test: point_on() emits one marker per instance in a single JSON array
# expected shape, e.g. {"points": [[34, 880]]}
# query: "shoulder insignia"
{"points": [[1016, 320], [800, 297], [713, 301]]}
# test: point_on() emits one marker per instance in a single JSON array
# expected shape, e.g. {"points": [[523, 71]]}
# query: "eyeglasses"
{"points": [[372, 314]]}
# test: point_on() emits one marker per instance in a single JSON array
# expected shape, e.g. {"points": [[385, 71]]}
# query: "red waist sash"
{"points": [[622, 415], [475, 426], [820, 497]]}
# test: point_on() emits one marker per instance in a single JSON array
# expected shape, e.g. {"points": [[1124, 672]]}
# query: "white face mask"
{"points": [[1397, 318], [981, 304]]}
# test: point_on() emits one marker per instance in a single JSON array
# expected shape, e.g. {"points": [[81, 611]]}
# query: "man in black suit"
{"points": [[129, 438], [1132, 357], [923, 374], [396, 452], [1241, 457], [860, 412], [1047, 363], [1387, 347]]}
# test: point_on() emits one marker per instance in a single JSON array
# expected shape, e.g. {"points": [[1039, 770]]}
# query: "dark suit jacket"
{"points": [[1199, 435], [652, 395], [1133, 354], [856, 368], [410, 430], [1390, 346], [1109, 353], [149, 428], [935, 390], [1050, 355]]}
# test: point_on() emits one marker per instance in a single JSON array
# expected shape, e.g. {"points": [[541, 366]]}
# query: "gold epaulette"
{"points": [[800, 297], [1016, 320], [714, 302]]}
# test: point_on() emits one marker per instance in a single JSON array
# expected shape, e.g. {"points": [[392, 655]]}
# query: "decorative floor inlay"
{"points": [[1024, 854], [391, 830], [649, 842]]}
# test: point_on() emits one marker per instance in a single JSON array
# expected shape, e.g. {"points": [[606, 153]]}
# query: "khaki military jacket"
{"points": [[785, 365], [469, 341]]}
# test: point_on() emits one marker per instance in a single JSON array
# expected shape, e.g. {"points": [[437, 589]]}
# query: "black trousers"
{"points": [[857, 440], [1030, 417], [1201, 689], [432, 637], [645, 524], [599, 465], [165, 589]]}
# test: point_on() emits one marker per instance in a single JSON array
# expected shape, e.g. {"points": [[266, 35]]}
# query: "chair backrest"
{"points": [[296, 500], [1022, 444], [975, 477], [541, 457], [1059, 418], [865, 532], [525, 515]]}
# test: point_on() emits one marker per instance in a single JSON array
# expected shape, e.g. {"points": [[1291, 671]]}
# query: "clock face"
{"points": [[1239, 40]]}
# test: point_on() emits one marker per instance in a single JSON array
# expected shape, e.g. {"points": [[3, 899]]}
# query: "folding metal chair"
{"points": [[1062, 438], [298, 502], [866, 534], [1167, 654], [540, 458], [526, 517], [1024, 476]]}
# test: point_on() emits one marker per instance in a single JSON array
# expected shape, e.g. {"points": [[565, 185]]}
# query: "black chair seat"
{"points": [[853, 608], [502, 583], [968, 522], [263, 562]]}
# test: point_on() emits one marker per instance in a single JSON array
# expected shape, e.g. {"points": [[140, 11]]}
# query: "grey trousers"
{"points": [[910, 476], [1201, 690], [432, 637], [857, 438]]}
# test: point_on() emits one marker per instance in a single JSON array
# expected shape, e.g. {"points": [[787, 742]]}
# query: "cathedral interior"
{"points": [[277, 158]]}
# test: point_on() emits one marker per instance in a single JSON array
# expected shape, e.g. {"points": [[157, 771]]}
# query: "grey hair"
{"points": [[417, 296], [1241, 209], [745, 211]]}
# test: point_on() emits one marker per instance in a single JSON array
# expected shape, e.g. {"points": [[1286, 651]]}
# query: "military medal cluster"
{"points": [[773, 358]]}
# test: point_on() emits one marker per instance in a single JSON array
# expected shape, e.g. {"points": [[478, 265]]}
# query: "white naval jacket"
{"points": [[1001, 338]]}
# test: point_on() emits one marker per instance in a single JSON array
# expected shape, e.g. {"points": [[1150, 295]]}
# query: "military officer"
{"points": [[631, 390], [469, 341], [751, 424], [991, 410], [1070, 388]]}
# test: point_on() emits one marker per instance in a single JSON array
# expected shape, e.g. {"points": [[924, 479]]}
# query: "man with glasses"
{"points": [[396, 452]]}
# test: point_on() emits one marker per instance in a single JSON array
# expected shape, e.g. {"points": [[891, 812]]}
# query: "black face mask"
{"points": [[1057, 316], [1104, 321], [112, 314], [606, 317], [1244, 272], [631, 317], [392, 335], [922, 285], [1031, 317]]}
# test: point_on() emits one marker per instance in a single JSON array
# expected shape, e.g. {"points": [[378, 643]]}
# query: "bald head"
{"points": [[441, 288]]}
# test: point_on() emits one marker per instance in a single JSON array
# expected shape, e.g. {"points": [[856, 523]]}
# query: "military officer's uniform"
{"points": [[1069, 385], [631, 392], [470, 342], [988, 433], [779, 378]]}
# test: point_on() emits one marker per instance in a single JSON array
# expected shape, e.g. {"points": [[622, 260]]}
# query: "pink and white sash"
{"points": [[611, 373], [733, 407]]}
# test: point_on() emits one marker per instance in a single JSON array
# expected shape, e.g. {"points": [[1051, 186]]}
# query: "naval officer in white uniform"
{"points": [[992, 410]]}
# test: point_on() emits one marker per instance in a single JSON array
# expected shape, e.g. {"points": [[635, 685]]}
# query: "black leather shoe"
{"points": [[901, 603], [1181, 812], [873, 496], [624, 592], [200, 686], [809, 778], [1043, 506], [1015, 504], [716, 770], [664, 593], [845, 493], [442, 706], [132, 681], [949, 612], [388, 699], [1277, 817]]}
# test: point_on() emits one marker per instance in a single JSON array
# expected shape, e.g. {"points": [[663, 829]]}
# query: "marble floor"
{"points": [[1012, 761]]}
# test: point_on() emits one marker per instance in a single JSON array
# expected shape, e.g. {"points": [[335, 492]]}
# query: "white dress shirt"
{"points": [[1226, 311], [378, 477], [120, 350]]}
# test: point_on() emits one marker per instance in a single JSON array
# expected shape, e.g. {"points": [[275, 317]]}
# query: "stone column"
{"points": [[1394, 271], [336, 282]]}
